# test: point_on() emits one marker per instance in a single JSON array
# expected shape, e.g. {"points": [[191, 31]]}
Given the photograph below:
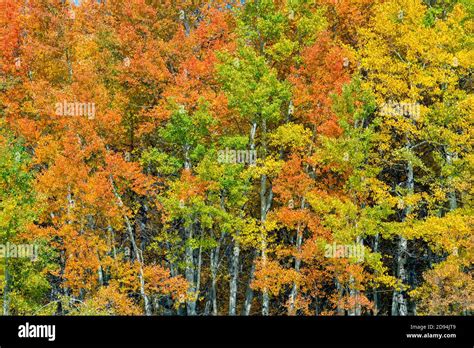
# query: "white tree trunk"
{"points": [[399, 301], [234, 276]]}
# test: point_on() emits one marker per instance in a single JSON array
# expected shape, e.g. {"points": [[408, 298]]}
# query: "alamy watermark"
{"points": [[391, 108], [11, 250], [355, 250], [75, 109], [237, 156], [37, 331]]}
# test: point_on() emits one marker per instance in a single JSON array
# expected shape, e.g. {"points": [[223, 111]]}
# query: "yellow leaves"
{"points": [[320, 203], [7, 208], [47, 150], [283, 50], [108, 300], [86, 49], [377, 191], [252, 232], [410, 200], [291, 136], [387, 281], [398, 15], [449, 233], [446, 290], [406, 58], [438, 194], [269, 166], [269, 225]]}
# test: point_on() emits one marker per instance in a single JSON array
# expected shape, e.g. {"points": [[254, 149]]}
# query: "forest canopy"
{"points": [[286, 157]]}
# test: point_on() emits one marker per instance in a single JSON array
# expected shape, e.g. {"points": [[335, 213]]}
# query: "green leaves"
{"points": [[251, 87], [16, 196]]}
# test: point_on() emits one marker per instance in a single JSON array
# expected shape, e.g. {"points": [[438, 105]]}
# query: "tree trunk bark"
{"points": [[453, 204], [340, 291], [189, 273], [249, 292], [234, 276], [299, 241], [399, 301], [138, 253], [263, 203], [376, 295], [264, 206], [213, 292], [354, 293], [6, 289]]}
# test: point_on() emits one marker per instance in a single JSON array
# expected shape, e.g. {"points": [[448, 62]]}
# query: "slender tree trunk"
{"points": [[376, 295], [234, 276], [198, 270], [187, 160], [249, 292], [189, 273], [264, 206], [189, 252], [399, 301], [172, 266], [354, 293], [340, 291], [6, 289], [294, 290], [139, 257], [263, 202], [453, 204], [213, 292], [299, 241], [138, 253], [187, 26], [101, 274]]}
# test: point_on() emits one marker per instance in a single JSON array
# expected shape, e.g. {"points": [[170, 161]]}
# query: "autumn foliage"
{"points": [[115, 116]]}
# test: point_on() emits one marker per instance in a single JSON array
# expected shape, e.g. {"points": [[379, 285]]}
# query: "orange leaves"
{"points": [[195, 76], [159, 281], [292, 182], [128, 174], [292, 218], [190, 186], [82, 262], [108, 126], [349, 302], [324, 71], [346, 16], [10, 35], [312, 250], [99, 197], [271, 276], [216, 32]]}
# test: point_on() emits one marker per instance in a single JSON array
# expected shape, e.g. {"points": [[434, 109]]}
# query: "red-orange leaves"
{"points": [[159, 281], [270, 275], [325, 68], [292, 183]]}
